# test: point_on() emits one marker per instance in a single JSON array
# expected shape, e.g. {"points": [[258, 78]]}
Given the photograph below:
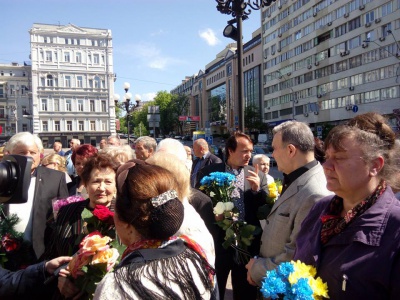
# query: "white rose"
{"points": [[219, 208], [212, 194], [229, 206]]}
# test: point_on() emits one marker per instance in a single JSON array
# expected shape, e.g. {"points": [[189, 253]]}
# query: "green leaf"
{"points": [[264, 211]]}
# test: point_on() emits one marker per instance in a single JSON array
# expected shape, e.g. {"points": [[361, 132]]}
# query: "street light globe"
{"points": [[138, 98], [126, 85], [128, 96], [116, 97]]}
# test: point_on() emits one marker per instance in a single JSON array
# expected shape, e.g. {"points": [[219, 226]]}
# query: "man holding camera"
{"points": [[46, 184]]}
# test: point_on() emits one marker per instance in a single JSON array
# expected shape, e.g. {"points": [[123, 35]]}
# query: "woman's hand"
{"points": [[67, 288]]}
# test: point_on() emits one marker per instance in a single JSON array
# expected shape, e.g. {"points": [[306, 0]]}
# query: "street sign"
{"points": [[154, 124], [209, 139], [355, 108], [319, 129]]}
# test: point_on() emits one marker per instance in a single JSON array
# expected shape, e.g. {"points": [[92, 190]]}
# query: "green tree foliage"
{"points": [[140, 130]]}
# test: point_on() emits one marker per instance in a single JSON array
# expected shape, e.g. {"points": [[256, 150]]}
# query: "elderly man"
{"points": [[263, 162], [304, 183], [145, 146], [46, 185], [57, 147], [102, 144], [250, 193], [113, 140], [203, 158]]}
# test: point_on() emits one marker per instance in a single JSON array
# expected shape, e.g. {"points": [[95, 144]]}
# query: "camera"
{"points": [[15, 178]]}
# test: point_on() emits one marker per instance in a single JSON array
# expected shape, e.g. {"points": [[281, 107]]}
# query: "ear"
{"points": [[291, 150], [376, 166]]}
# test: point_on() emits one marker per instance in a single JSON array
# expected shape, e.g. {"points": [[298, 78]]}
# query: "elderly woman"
{"points": [[353, 239], [56, 162], [263, 162], [79, 158], [156, 264], [98, 177]]}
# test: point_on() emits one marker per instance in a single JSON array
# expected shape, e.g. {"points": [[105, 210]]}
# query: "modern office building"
{"points": [[327, 61], [15, 99], [72, 83], [213, 92]]}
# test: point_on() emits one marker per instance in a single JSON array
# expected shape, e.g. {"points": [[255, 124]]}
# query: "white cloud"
{"points": [[148, 96], [209, 36]]}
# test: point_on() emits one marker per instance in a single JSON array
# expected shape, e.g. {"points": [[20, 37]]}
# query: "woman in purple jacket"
{"points": [[353, 239]]}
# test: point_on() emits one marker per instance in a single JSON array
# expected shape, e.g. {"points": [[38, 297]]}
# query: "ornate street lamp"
{"points": [[129, 108], [238, 9]]}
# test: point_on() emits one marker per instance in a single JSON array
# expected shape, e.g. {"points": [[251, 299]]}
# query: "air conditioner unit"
{"points": [[316, 63], [367, 24], [273, 53], [319, 96], [314, 14], [361, 7], [289, 73], [269, 15], [305, 114], [329, 23], [351, 88], [349, 107], [364, 45], [280, 77], [309, 66], [342, 53], [347, 52], [279, 49], [279, 34], [346, 15], [316, 112], [279, 6], [377, 20], [382, 38]]}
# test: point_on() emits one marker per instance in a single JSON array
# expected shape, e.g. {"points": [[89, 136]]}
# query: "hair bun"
{"points": [[166, 219]]}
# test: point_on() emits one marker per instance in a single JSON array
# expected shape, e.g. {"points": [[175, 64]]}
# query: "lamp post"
{"points": [[129, 108], [237, 8]]}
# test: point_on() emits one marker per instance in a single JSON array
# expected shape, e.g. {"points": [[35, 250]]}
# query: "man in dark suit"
{"points": [[30, 282], [204, 158], [36, 214], [250, 193]]}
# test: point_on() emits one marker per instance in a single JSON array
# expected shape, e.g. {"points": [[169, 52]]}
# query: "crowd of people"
{"points": [[338, 211]]}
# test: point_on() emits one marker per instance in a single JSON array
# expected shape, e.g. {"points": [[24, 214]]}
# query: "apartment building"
{"points": [[15, 99], [327, 61], [72, 83]]}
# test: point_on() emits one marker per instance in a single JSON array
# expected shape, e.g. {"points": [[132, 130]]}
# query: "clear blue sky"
{"points": [[156, 42]]}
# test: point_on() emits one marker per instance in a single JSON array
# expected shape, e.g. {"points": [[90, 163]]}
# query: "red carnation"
{"points": [[105, 215], [9, 243]]}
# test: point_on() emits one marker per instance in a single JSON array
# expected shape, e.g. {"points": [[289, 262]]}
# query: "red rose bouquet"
{"points": [[101, 219], [15, 252]]}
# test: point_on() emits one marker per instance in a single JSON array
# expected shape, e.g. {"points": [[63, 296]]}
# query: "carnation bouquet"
{"points": [[97, 255], [238, 234], [15, 252], [293, 280], [274, 191]]}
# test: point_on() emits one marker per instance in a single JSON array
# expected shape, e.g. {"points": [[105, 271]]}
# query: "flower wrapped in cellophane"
{"points": [[293, 280], [238, 234], [97, 255], [274, 191]]}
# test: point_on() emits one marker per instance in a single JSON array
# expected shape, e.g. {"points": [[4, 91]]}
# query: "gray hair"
{"points": [[120, 153], [148, 142], [76, 141], [296, 133], [24, 138], [256, 158], [174, 147]]}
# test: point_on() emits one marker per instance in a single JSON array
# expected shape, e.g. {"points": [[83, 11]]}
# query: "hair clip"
{"points": [[164, 197]]}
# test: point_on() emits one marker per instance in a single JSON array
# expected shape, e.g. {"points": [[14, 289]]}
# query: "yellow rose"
{"points": [[76, 264], [109, 256], [93, 243], [272, 190], [280, 189]]}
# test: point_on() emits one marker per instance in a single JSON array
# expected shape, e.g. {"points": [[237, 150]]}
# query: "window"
{"points": [[44, 104], [80, 126], [68, 81], [57, 126], [96, 59], [103, 126], [356, 79], [45, 126], [370, 35], [340, 30], [297, 35], [103, 106], [355, 61], [24, 127], [370, 16], [371, 76], [385, 29], [79, 80], [92, 125], [68, 105], [78, 57], [69, 125], [56, 104], [387, 8], [49, 80], [48, 56], [354, 24], [66, 57], [80, 105], [92, 108], [97, 82]]}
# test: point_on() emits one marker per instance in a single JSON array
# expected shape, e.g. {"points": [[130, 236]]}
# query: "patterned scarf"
{"points": [[333, 223]]}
